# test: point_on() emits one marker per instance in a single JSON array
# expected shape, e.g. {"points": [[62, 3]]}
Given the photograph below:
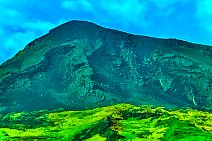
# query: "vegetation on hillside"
{"points": [[118, 122]]}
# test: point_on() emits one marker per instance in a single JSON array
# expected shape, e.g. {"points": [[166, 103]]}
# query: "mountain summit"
{"points": [[80, 65]]}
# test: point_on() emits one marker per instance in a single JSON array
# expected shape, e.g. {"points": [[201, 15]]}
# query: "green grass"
{"points": [[117, 122]]}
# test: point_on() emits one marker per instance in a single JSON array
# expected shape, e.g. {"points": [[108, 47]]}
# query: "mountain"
{"points": [[80, 65], [120, 122]]}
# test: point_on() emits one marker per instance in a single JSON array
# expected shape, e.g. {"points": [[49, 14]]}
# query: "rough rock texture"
{"points": [[80, 65]]}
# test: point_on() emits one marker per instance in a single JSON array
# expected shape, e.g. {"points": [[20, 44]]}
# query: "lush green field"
{"points": [[118, 122]]}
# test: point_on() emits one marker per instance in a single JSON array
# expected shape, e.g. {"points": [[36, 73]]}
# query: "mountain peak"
{"points": [[80, 65], [75, 25]]}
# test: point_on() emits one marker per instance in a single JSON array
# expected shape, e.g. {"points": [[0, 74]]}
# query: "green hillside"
{"points": [[117, 122]]}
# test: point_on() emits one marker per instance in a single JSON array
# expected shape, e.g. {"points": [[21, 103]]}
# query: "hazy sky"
{"points": [[21, 21]]}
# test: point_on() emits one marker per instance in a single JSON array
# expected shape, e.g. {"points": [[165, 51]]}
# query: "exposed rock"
{"points": [[80, 65]]}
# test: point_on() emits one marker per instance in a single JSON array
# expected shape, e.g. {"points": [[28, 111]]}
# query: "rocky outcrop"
{"points": [[80, 65]]}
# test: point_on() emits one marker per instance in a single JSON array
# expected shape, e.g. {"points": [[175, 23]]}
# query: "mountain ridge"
{"points": [[80, 65], [93, 24]]}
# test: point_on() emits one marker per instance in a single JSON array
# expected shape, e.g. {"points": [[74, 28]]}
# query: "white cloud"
{"points": [[2, 33], [17, 30], [166, 7], [9, 16], [15, 41], [8, 13], [77, 5], [18, 27], [166, 3], [204, 14], [124, 12], [40, 26]]}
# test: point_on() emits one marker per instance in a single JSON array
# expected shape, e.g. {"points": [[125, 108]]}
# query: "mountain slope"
{"points": [[80, 65], [117, 122]]}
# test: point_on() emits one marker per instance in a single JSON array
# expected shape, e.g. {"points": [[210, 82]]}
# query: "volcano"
{"points": [[80, 65]]}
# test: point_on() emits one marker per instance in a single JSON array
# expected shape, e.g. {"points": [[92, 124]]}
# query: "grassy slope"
{"points": [[118, 122]]}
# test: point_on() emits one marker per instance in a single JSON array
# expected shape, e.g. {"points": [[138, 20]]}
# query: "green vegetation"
{"points": [[117, 122]]}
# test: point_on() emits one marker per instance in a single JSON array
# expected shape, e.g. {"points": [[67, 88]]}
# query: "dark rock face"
{"points": [[80, 65]]}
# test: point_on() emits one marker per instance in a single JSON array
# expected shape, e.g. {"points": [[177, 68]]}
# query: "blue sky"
{"points": [[21, 21]]}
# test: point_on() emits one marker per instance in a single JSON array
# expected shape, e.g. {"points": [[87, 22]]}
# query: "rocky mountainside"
{"points": [[80, 65]]}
